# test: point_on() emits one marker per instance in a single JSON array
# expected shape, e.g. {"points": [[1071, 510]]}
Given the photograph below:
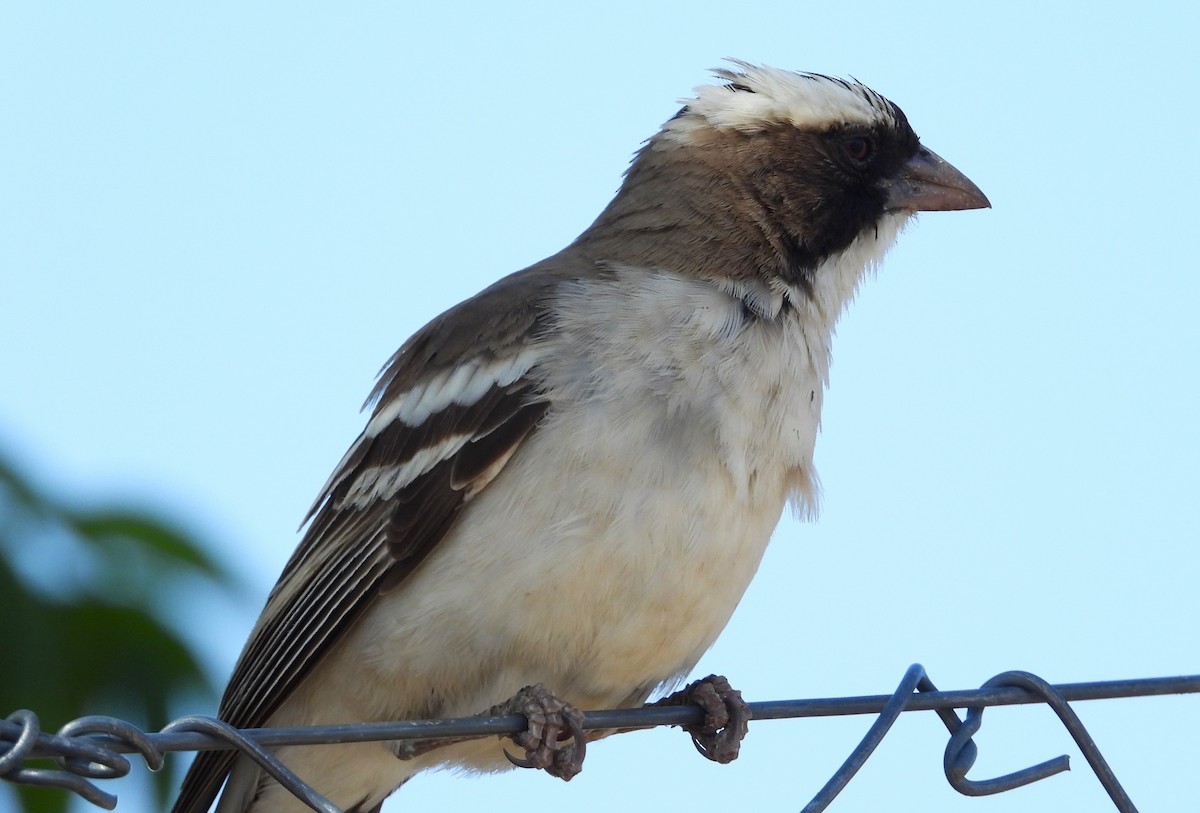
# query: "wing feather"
{"points": [[450, 409]]}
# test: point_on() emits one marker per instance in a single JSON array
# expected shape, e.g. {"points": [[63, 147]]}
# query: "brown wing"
{"points": [[439, 433]]}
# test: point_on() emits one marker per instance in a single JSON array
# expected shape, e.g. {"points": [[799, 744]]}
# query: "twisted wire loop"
{"points": [[76, 751], [83, 756], [958, 759], [961, 750], [92, 747], [265, 759]]}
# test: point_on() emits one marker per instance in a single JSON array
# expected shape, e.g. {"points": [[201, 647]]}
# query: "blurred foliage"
{"points": [[82, 600]]}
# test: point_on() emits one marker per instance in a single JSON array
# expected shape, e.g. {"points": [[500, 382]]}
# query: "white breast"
{"points": [[612, 549], [614, 546]]}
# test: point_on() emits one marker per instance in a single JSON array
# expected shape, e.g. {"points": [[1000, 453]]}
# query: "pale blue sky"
{"points": [[216, 223]]}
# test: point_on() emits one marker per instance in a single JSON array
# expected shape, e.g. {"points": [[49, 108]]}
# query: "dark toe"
{"points": [[554, 740]]}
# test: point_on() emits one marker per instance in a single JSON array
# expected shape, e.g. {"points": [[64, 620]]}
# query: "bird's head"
{"points": [[772, 173]]}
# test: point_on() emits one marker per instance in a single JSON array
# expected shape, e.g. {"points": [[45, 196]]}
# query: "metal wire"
{"points": [[92, 747]]}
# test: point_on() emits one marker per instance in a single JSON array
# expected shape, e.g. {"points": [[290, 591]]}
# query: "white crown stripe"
{"points": [[756, 96]]}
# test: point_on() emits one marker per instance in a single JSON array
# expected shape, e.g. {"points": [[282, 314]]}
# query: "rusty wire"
{"points": [[93, 747]]}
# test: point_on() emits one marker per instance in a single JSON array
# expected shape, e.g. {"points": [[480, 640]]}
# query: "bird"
{"points": [[566, 482]]}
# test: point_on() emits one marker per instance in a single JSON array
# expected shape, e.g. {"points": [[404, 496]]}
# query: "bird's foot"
{"points": [[554, 740], [726, 715]]}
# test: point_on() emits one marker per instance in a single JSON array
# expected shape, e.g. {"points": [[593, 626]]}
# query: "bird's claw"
{"points": [[726, 716], [554, 740]]}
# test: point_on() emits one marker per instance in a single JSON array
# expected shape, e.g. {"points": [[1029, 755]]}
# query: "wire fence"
{"points": [[93, 747]]}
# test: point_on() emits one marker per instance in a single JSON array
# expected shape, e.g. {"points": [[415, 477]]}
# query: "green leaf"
{"points": [[99, 645], [153, 535]]}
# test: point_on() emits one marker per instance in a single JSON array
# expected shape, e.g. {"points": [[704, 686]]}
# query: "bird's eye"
{"points": [[859, 148]]}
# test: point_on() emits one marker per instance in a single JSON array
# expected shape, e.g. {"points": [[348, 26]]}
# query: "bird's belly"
{"points": [[612, 583], [601, 606]]}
